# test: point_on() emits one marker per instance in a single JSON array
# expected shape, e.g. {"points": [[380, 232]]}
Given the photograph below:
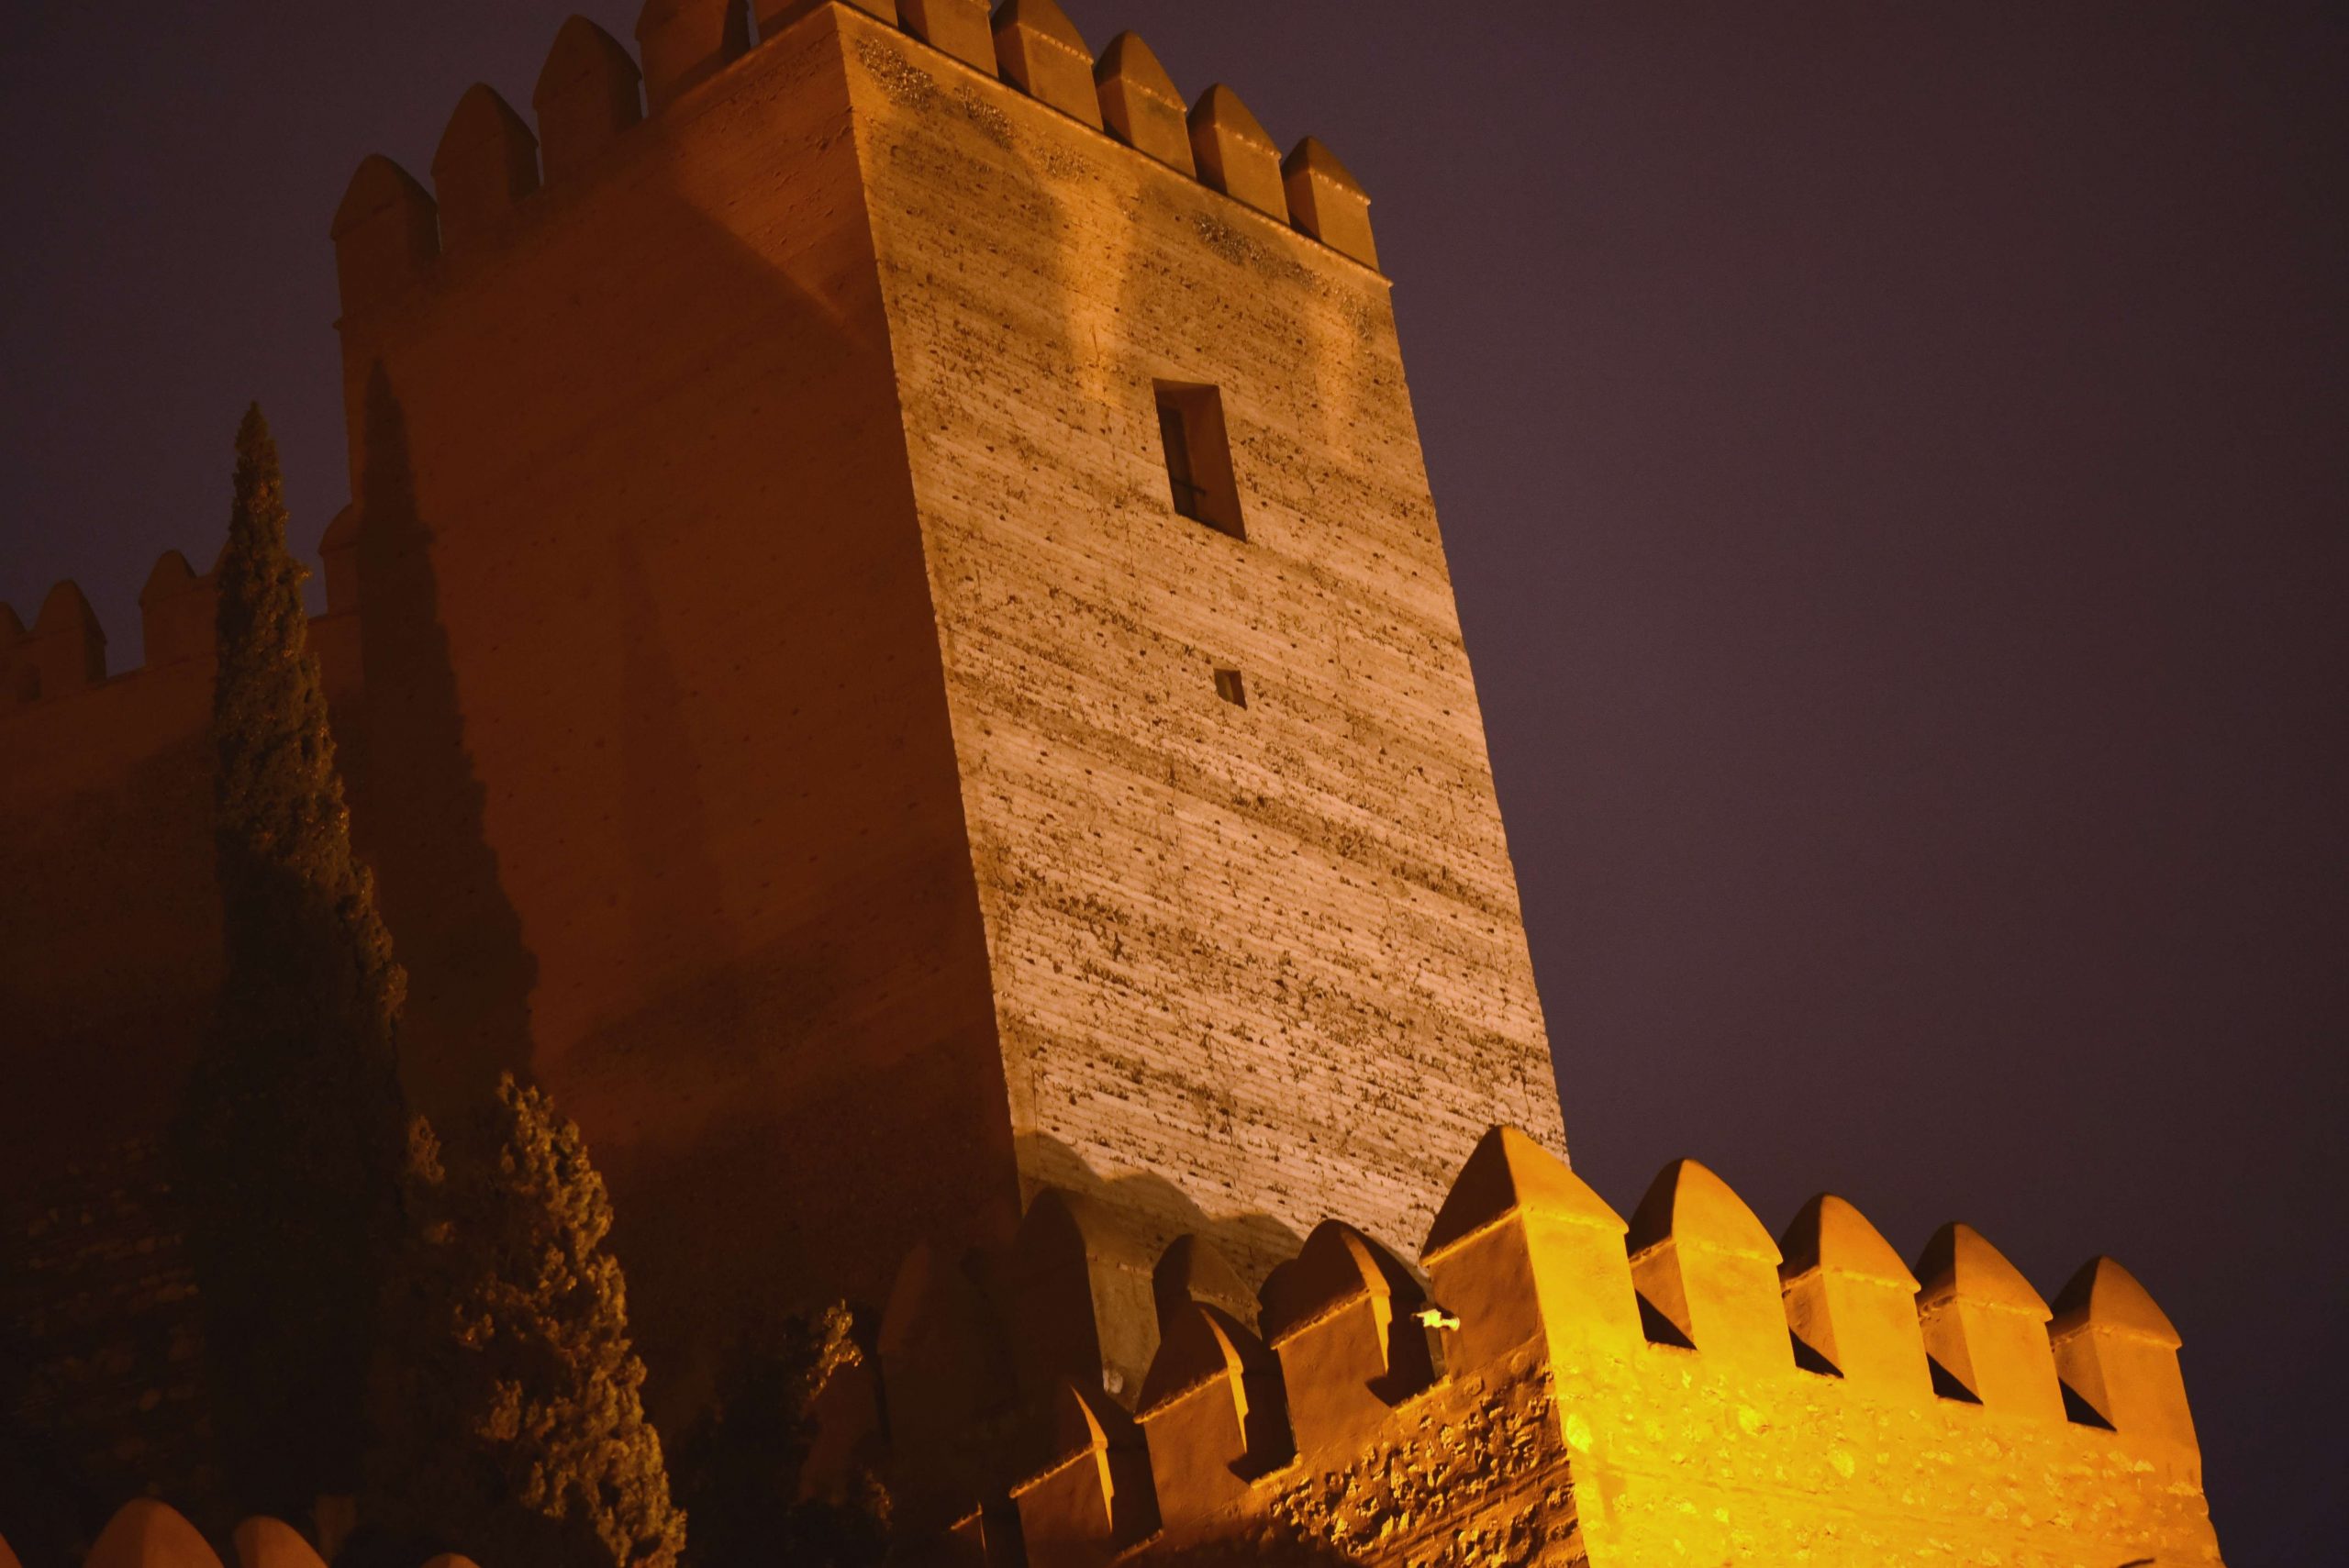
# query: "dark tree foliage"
{"points": [[289, 1139], [741, 1468], [510, 1403]]}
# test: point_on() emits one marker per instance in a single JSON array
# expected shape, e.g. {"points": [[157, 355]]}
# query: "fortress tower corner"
{"points": [[911, 659], [892, 648]]}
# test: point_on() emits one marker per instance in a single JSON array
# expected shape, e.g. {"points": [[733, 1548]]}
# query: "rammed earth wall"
{"points": [[1270, 954], [793, 699]]}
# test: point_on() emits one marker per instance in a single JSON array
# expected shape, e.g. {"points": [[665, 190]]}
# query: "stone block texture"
{"points": [[1272, 955], [790, 719]]}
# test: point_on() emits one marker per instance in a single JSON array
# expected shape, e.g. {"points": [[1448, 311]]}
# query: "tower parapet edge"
{"points": [[64, 653], [390, 234], [679, 259], [1521, 1396]]}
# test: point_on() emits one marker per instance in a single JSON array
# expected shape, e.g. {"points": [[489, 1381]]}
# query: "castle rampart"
{"points": [[1554, 1385], [1521, 1396], [794, 707], [108, 955], [892, 647]]}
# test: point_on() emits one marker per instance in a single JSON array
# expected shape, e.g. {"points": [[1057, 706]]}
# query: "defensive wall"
{"points": [[785, 712], [1551, 1386], [788, 718], [110, 960], [109, 943]]}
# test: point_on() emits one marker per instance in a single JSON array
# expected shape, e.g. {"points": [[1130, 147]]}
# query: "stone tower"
{"points": [[892, 648], [802, 721], [907, 654]]}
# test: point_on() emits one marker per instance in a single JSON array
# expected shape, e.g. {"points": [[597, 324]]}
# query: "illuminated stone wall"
{"points": [[790, 719], [1559, 1387], [791, 728], [1266, 959]]}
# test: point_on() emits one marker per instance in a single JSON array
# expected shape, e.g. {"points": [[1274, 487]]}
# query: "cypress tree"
{"points": [[742, 1467], [512, 1412], [289, 1138]]}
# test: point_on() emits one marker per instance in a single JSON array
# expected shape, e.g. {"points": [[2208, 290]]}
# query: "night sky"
{"points": [[1893, 462]]}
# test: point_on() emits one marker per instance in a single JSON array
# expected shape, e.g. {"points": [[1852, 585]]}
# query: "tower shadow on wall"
{"points": [[1252, 1242], [470, 974]]}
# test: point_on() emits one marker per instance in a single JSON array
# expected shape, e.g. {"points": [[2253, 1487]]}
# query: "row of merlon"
{"points": [[1163, 1393], [591, 91], [65, 649], [145, 1533]]}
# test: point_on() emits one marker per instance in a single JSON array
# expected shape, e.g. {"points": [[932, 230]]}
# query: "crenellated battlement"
{"points": [[391, 235], [804, 723], [1549, 1379], [1551, 1384], [64, 653]]}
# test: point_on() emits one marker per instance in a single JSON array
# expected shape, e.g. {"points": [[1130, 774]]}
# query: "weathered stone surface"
{"points": [[792, 725], [1240, 950], [1582, 1444], [802, 727]]}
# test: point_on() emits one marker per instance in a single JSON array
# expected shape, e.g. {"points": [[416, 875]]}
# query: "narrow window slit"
{"points": [[1231, 688], [1198, 456]]}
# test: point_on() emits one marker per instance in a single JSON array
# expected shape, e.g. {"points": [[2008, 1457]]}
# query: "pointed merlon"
{"points": [[1097, 1498], [1082, 1280], [176, 611], [1143, 106], [12, 629], [1235, 154], [776, 15], [1202, 1344], [960, 27], [1510, 1174], [487, 165], [149, 1534], [1960, 1264], [172, 576], [944, 1368], [264, 1542], [68, 647], [2105, 1295], [1523, 1253], [1701, 1258], [2116, 1349], [1829, 1234], [1214, 1413], [1344, 1317], [1339, 1266], [1328, 202], [685, 42], [1851, 1301], [1044, 56], [589, 90], [386, 236], [1985, 1326], [1689, 1204], [1192, 1270]]}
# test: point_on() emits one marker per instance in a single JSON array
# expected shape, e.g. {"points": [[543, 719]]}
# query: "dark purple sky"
{"points": [[1893, 461]]}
